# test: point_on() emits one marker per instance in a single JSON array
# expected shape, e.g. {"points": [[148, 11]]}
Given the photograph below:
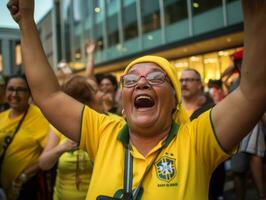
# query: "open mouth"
{"points": [[143, 101]]}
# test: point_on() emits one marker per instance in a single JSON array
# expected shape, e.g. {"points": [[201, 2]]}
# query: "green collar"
{"points": [[123, 135]]}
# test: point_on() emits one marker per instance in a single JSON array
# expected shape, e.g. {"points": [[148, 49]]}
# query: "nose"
{"points": [[143, 83]]}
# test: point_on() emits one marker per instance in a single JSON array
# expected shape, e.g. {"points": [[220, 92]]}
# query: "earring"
{"points": [[123, 113]]}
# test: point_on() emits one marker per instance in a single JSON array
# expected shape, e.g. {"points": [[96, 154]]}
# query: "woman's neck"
{"points": [[16, 112], [145, 144]]}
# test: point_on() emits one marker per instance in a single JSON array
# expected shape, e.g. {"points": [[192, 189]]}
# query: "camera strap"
{"points": [[128, 171]]}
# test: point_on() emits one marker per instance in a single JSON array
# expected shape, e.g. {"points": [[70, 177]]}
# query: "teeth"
{"points": [[143, 97]]}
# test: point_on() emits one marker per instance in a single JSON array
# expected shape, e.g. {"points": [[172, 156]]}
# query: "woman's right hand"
{"points": [[21, 9], [68, 145]]}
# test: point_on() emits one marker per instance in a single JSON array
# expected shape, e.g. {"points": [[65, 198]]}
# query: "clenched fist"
{"points": [[21, 9]]}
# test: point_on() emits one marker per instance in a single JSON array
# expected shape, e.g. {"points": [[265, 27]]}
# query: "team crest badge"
{"points": [[165, 168]]}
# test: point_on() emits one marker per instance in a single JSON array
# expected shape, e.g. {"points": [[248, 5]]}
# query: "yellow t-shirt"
{"points": [[27, 145], [181, 171], [65, 186]]}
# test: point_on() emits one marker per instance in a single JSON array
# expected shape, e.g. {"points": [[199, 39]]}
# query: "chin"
{"points": [[143, 122]]}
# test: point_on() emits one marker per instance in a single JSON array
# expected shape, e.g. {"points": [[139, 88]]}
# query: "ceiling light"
{"points": [[150, 37], [97, 9], [195, 5]]}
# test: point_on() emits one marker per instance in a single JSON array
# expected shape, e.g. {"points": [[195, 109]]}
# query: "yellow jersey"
{"points": [[181, 171], [68, 170], [27, 144]]}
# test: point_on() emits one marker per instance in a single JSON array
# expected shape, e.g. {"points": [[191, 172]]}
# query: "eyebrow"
{"points": [[152, 70]]}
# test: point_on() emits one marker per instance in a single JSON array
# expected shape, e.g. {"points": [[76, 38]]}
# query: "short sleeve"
{"points": [[94, 127], [206, 143]]}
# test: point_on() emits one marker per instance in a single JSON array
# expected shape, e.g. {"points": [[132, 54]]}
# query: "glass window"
{"points": [[150, 15], [130, 21], [66, 27], [86, 7], [196, 62], [77, 17], [224, 58], [180, 65], [77, 14], [99, 6], [112, 23], [99, 36], [58, 31], [207, 16], [1, 58], [175, 10], [200, 6], [112, 7], [212, 66], [234, 12], [88, 21]]}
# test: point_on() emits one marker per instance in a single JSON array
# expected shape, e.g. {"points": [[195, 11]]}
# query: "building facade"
{"points": [[201, 34], [10, 51], [47, 33]]}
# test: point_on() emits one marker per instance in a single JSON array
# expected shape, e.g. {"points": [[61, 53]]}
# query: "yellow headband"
{"points": [[180, 116]]}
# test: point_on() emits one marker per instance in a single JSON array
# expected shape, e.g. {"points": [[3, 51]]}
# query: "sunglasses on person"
{"points": [[153, 78]]}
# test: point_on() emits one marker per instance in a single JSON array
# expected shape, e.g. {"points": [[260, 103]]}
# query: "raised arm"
{"points": [[62, 111], [239, 111], [90, 46], [53, 150]]}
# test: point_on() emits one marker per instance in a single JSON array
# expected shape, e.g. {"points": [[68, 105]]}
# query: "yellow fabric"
{"points": [[180, 115], [194, 154], [27, 145], [65, 186]]}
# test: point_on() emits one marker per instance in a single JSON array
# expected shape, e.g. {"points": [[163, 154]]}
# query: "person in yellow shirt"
{"points": [[156, 153], [23, 130]]}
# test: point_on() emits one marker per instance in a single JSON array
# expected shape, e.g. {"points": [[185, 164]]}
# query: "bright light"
{"points": [[150, 37], [194, 58], [223, 53], [195, 5], [181, 64], [97, 9], [77, 55], [210, 60]]}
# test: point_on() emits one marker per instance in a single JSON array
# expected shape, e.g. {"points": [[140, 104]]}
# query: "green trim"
{"points": [[123, 135], [119, 193], [80, 131], [215, 135], [172, 134]]}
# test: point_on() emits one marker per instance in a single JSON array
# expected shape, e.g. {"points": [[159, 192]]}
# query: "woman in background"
{"points": [[23, 130], [74, 166]]}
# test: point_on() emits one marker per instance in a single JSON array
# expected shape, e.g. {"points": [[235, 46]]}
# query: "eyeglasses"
{"points": [[18, 90], [153, 78], [188, 80]]}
